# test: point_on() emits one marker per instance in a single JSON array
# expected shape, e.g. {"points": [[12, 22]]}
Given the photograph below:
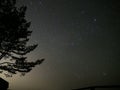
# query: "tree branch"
{"points": [[6, 63], [2, 55]]}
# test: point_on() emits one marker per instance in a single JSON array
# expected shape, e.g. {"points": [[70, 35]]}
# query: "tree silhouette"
{"points": [[14, 35]]}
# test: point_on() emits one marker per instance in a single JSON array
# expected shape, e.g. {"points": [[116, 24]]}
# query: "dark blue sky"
{"points": [[79, 40]]}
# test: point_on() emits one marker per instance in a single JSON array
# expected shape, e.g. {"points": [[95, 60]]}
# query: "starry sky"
{"points": [[79, 40]]}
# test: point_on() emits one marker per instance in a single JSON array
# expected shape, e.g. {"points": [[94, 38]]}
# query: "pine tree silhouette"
{"points": [[14, 35]]}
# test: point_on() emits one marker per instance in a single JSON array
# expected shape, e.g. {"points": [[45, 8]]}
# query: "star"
{"points": [[72, 44], [82, 12], [94, 19], [104, 74], [40, 2], [31, 3]]}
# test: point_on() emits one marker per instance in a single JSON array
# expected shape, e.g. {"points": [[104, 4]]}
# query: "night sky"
{"points": [[79, 40]]}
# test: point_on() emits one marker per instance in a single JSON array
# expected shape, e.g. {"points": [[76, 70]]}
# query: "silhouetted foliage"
{"points": [[14, 35]]}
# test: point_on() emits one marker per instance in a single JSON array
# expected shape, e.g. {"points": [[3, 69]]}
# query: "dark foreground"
{"points": [[3, 84], [105, 87]]}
